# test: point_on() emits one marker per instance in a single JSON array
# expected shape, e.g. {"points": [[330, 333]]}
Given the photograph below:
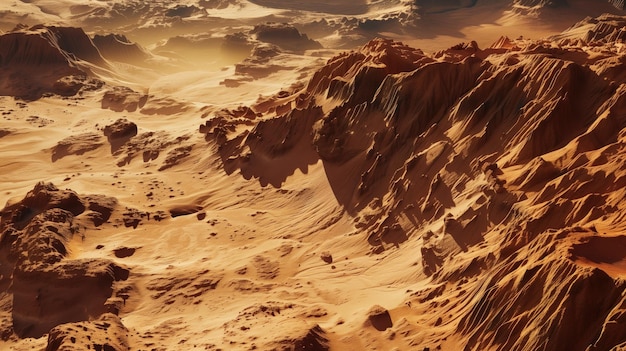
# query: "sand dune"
{"points": [[241, 175]]}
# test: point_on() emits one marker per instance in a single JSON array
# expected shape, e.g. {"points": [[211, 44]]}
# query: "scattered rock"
{"points": [[326, 257], [124, 252], [76, 145], [119, 133], [175, 156], [121, 99], [185, 210], [379, 318]]}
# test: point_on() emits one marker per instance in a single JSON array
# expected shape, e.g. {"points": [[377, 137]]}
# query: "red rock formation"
{"points": [[519, 149], [45, 287], [105, 334], [35, 60]]}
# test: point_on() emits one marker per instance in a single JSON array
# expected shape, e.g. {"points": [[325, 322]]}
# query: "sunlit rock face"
{"points": [[414, 140]]}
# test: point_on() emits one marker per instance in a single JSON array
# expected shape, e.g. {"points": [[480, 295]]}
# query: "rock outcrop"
{"points": [[117, 47], [105, 334], [285, 36], [518, 147], [46, 288], [35, 60]]}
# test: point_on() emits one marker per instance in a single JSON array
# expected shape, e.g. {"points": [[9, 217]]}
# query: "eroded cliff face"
{"points": [[506, 164], [47, 59]]}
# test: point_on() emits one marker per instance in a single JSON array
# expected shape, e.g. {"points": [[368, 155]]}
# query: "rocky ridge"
{"points": [[519, 146]]}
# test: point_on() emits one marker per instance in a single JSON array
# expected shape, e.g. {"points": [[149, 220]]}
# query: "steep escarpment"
{"points": [[503, 166], [39, 60], [40, 45]]}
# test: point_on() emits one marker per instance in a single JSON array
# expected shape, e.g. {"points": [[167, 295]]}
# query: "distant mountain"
{"points": [[35, 60]]}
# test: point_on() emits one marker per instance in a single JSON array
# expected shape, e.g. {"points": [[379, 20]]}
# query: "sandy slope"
{"points": [[309, 198]]}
